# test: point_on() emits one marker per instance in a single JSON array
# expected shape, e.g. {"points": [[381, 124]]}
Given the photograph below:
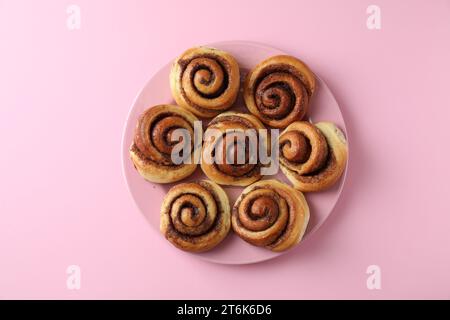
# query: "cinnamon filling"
{"points": [[259, 210], [193, 214], [295, 147], [280, 94], [304, 150], [207, 74], [154, 137], [283, 68], [233, 148], [262, 214]]}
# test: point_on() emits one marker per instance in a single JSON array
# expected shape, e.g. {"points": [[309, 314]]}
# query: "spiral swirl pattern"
{"points": [[154, 141], [231, 137], [270, 214], [205, 81], [278, 90], [195, 216], [313, 157]]}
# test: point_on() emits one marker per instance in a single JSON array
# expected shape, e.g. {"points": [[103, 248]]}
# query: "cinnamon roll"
{"points": [[313, 157], [278, 90], [195, 216], [230, 149], [270, 214], [205, 81], [154, 140]]}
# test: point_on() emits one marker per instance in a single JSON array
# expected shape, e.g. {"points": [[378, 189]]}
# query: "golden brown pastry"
{"points": [[313, 157], [278, 90], [152, 146], [195, 216], [205, 81], [223, 139], [270, 214]]}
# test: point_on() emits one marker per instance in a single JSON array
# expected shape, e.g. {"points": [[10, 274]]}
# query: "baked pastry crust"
{"points": [[232, 174], [195, 217], [205, 81], [278, 90], [313, 157], [152, 145], [270, 214]]}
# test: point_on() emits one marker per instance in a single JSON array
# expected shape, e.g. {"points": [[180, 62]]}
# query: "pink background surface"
{"points": [[65, 96]]}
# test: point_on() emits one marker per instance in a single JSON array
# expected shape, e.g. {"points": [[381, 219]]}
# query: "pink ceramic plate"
{"points": [[148, 196]]}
